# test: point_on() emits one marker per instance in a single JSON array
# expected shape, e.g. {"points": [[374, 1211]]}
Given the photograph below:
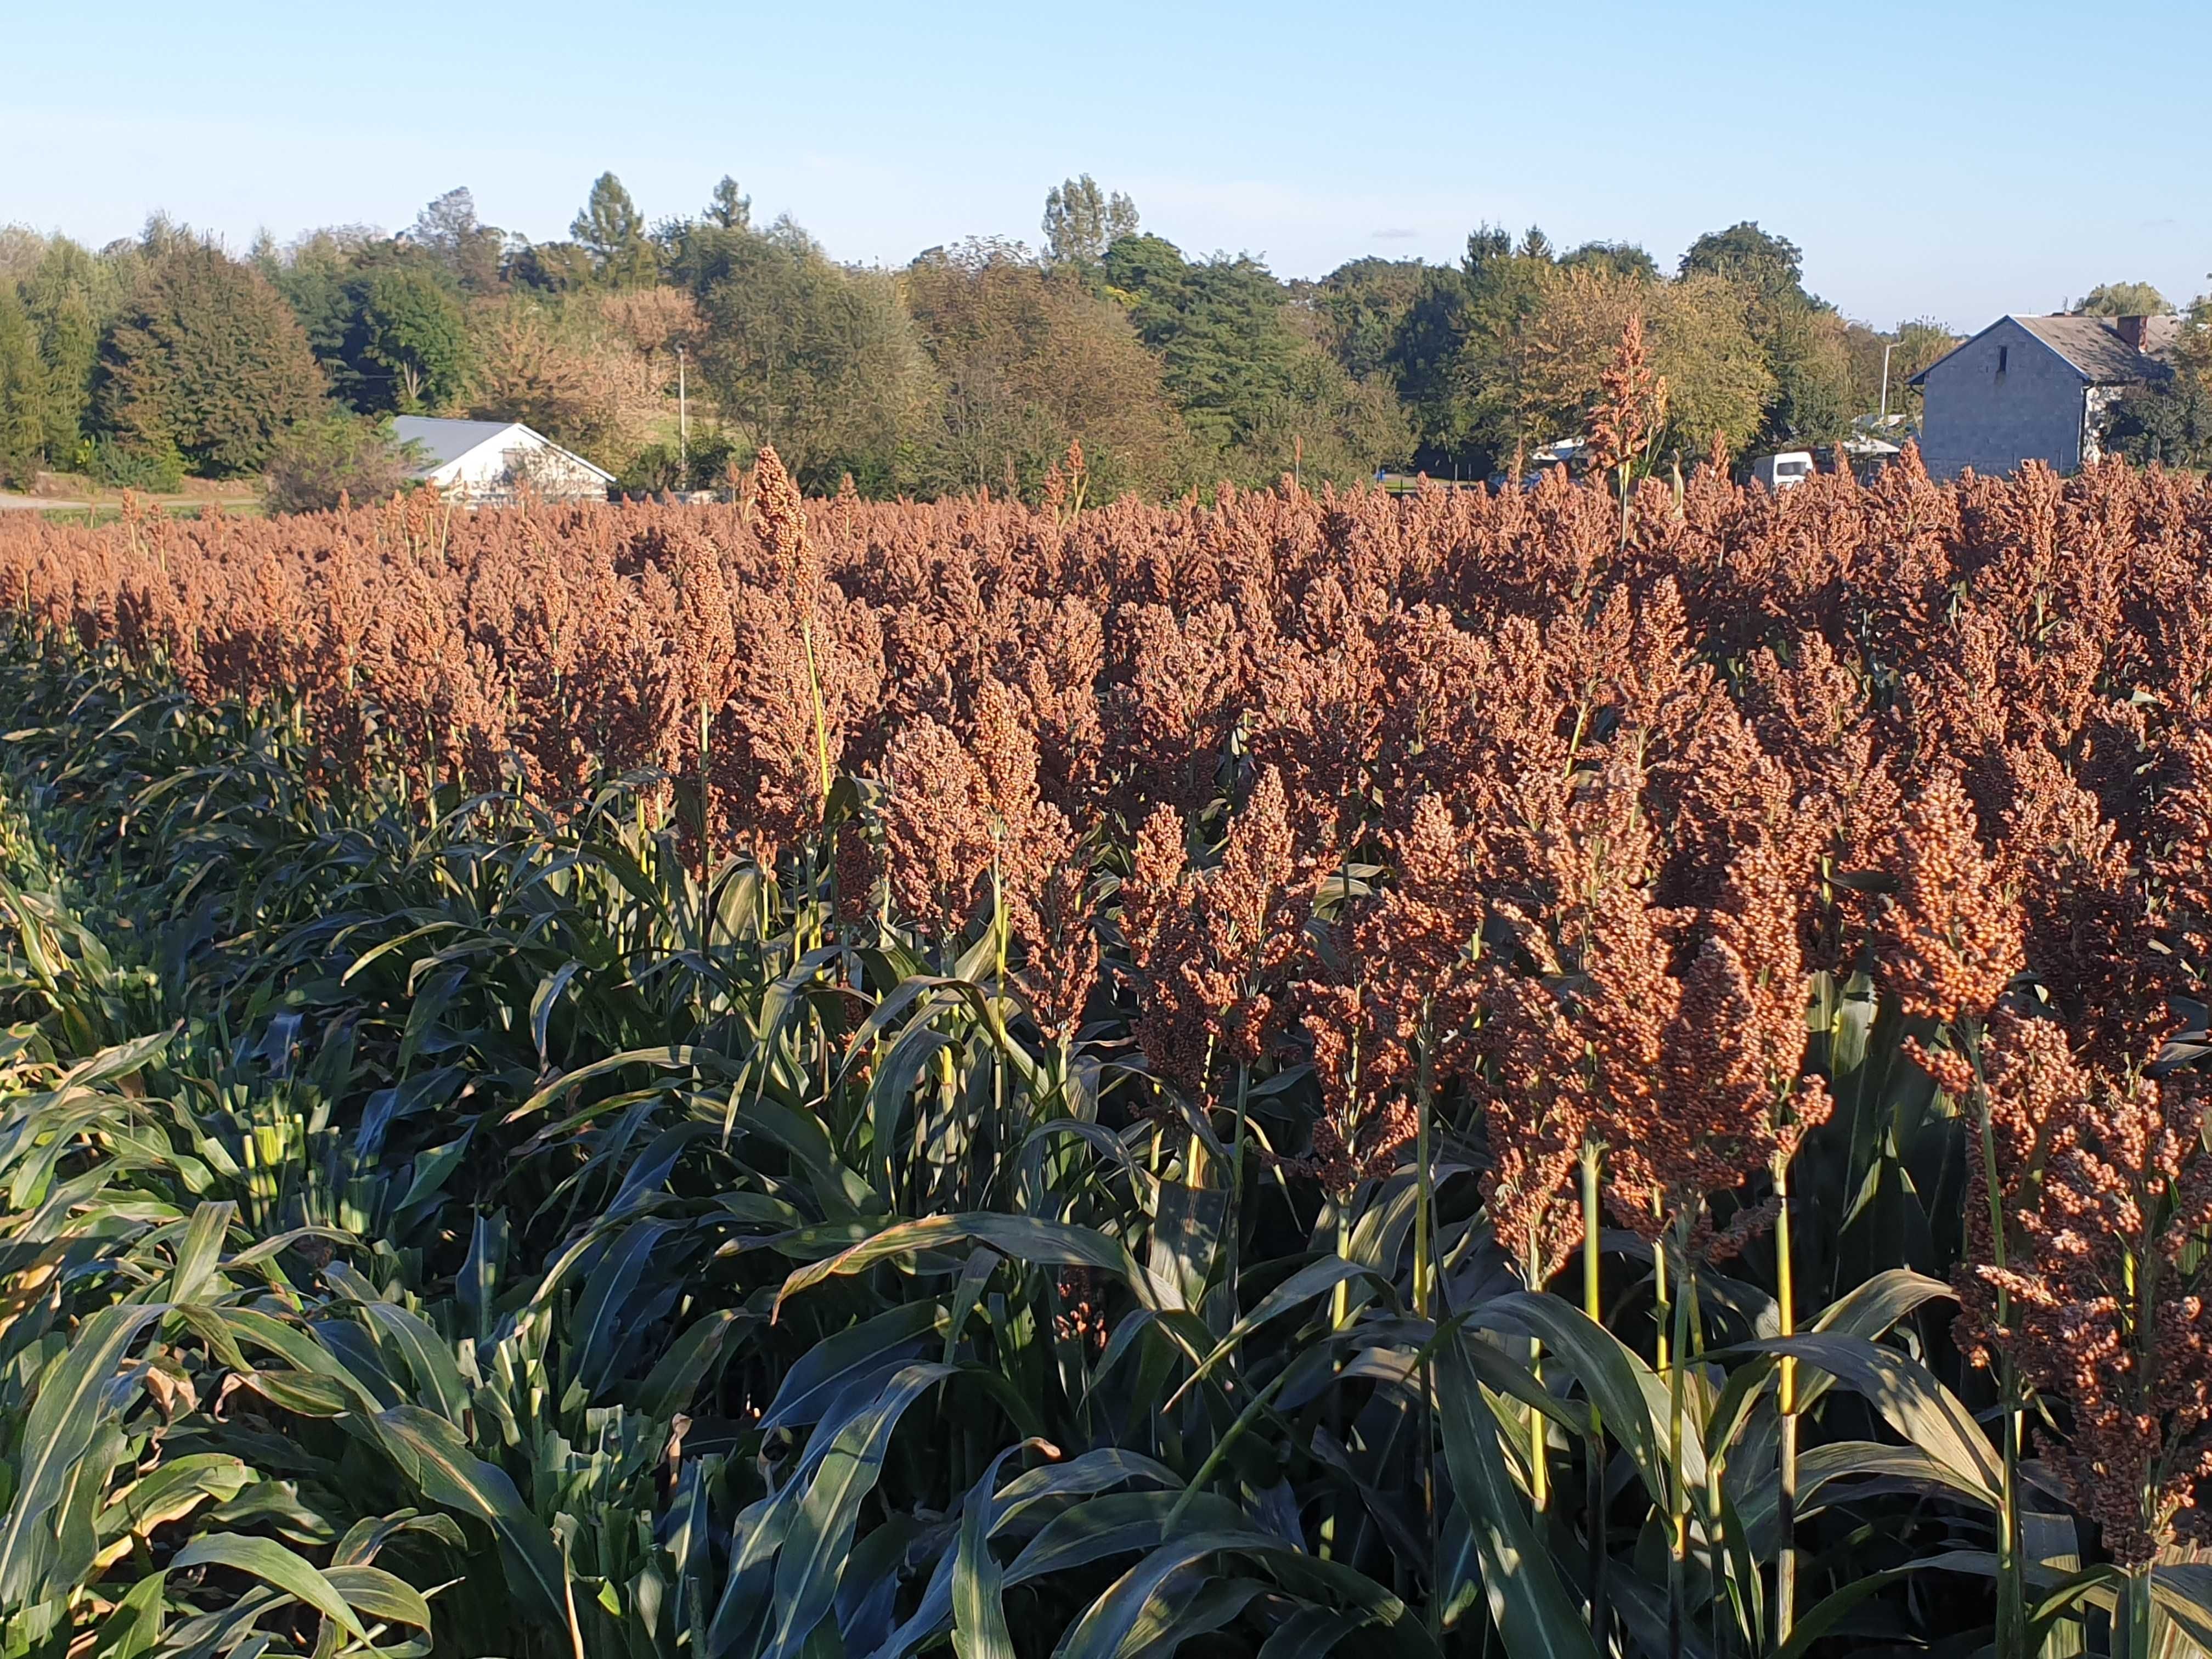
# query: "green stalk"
{"points": [[1213, 1459], [2131, 1636], [2012, 1596], [1194, 1168], [1594, 1306], [1425, 1195], [1340, 1302], [568, 1601], [430, 771], [1785, 1567], [1236, 1183], [997, 990], [1424, 1248], [1722, 1570], [705, 802], [1593, 1300], [1540, 1449], [821, 714], [1678, 1497], [2143, 1272]]}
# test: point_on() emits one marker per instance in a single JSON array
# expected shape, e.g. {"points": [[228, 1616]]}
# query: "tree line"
{"points": [[976, 365]]}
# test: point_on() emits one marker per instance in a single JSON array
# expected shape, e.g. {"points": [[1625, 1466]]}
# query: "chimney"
{"points": [[2132, 330]]}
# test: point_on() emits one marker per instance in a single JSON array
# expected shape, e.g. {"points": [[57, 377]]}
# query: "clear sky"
{"points": [[1959, 158]]}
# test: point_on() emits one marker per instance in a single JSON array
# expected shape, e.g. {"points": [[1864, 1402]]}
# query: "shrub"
{"points": [[2170, 422], [318, 462], [653, 468], [125, 464], [714, 452], [705, 465]]}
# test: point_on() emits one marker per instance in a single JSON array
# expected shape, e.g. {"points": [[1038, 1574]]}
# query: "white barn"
{"points": [[493, 462]]}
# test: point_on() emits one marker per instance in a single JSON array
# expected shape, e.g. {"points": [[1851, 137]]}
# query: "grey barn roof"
{"points": [[445, 440], [2091, 346]]}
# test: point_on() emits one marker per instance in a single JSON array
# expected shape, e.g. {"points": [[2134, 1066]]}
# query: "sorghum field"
{"points": [[1453, 1074]]}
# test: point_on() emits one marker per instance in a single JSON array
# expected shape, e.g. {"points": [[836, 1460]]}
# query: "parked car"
{"points": [[1784, 471]]}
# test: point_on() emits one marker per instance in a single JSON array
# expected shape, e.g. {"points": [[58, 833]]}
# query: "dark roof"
{"points": [[2091, 346]]}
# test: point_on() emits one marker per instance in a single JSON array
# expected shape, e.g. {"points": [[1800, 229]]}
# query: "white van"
{"points": [[1784, 471]]}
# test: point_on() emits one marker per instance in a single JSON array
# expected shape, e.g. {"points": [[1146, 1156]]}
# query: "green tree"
{"points": [[611, 231], [1322, 425], [1548, 359], [1805, 351], [2170, 420], [162, 234], [1081, 221], [1402, 323], [1486, 242], [449, 231], [1492, 389], [1771, 265], [1863, 345], [1622, 258], [821, 360], [553, 267], [1719, 382], [316, 275], [407, 348], [729, 208], [2124, 300], [1425, 361], [21, 250], [1217, 327], [1920, 342], [1242, 371], [67, 296], [1030, 360], [384, 317], [1909, 347], [22, 391], [1801, 336], [208, 359], [1362, 307]]}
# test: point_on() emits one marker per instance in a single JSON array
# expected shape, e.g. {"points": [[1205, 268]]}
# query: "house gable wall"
{"points": [[1974, 416], [494, 473]]}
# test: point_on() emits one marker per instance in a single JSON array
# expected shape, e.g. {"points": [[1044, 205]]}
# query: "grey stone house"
{"points": [[2035, 389]]}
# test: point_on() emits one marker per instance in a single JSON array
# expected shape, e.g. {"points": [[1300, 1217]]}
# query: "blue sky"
{"points": [[1958, 160]]}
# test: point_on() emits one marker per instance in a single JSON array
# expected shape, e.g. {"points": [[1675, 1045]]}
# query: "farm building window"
{"points": [[2004, 354]]}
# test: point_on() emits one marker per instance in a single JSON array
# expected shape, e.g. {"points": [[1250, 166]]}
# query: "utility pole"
{"points": [[684, 423], [1886, 350]]}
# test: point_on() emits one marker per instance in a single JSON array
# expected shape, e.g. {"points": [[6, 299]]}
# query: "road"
{"points": [[167, 504]]}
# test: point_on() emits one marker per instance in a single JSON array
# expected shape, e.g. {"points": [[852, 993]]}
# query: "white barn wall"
{"points": [[486, 473]]}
